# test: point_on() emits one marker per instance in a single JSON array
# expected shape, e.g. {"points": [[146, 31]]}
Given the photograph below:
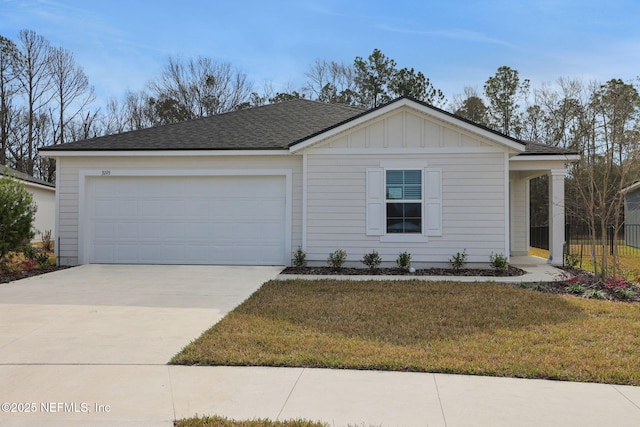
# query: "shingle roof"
{"points": [[5, 170], [269, 127], [534, 148], [272, 126]]}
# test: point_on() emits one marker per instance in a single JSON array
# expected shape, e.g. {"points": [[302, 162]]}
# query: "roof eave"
{"points": [[165, 152], [545, 156]]}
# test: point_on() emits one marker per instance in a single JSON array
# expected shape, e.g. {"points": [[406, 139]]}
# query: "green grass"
{"points": [[462, 328]]}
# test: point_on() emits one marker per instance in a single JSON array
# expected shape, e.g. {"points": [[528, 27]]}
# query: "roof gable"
{"points": [[435, 114]]}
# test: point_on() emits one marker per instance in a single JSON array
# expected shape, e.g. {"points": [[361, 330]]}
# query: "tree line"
{"points": [[46, 99]]}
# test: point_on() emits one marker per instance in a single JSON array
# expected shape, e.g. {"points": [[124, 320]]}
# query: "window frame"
{"points": [[403, 201], [375, 201]]}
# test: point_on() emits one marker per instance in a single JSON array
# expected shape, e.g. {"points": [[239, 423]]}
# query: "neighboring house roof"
{"points": [[5, 170], [632, 187], [269, 127]]}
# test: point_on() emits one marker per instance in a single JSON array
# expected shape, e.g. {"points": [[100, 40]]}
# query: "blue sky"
{"points": [[123, 44]]}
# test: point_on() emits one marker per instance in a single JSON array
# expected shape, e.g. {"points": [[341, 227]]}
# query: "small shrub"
{"points": [[404, 260], [458, 260], [299, 258], [626, 294], [596, 294], [540, 287], [30, 252], [575, 288], [571, 259], [42, 258], [498, 262], [28, 264], [17, 213], [372, 259], [337, 259], [47, 243]]}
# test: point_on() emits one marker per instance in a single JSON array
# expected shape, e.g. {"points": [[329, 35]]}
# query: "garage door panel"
{"points": [[186, 220]]}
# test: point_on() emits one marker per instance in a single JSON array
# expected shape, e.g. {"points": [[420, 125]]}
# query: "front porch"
{"points": [[522, 169]]}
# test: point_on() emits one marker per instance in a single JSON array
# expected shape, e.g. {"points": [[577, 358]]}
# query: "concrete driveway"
{"points": [[91, 333]]}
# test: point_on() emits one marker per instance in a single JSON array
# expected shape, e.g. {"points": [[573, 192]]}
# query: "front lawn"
{"points": [[217, 421], [451, 327]]}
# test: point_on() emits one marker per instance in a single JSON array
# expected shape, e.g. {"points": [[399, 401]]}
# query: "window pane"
{"points": [[404, 218], [412, 177], [395, 225], [413, 210], [404, 185], [395, 210], [413, 225], [413, 192]]}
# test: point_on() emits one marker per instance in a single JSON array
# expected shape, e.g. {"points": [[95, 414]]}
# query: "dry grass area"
{"points": [[451, 327], [217, 421], [629, 262]]}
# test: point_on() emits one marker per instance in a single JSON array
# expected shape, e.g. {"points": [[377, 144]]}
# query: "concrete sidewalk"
{"points": [[154, 395]]}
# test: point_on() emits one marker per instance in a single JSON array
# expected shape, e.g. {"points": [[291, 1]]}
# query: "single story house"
{"points": [[44, 196], [632, 215], [251, 186]]}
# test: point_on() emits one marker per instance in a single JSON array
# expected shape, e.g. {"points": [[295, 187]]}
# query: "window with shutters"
{"points": [[404, 203], [403, 206]]}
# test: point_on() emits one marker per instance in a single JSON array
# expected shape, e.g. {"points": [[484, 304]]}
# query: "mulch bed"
{"points": [[351, 271], [591, 287], [10, 277]]}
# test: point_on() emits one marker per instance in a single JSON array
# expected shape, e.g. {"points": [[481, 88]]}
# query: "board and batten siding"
{"points": [[473, 207], [69, 175]]}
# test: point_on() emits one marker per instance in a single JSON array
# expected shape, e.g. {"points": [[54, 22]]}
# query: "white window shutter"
{"points": [[433, 202], [375, 201]]}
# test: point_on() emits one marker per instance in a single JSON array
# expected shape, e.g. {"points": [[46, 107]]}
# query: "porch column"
{"points": [[556, 215], [519, 213]]}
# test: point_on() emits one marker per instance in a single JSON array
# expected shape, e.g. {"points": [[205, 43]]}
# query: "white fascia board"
{"points": [[631, 188], [36, 185], [541, 162], [519, 148], [547, 157], [163, 153]]}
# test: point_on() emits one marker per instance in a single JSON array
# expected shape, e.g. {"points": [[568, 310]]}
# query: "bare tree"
{"points": [[197, 88], [9, 65], [72, 92], [331, 82], [35, 79], [609, 135]]}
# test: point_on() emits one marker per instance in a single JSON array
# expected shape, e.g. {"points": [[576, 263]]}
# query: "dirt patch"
{"points": [[10, 277]]}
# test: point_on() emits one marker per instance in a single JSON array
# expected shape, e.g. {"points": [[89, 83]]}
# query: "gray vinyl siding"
{"points": [[632, 218]]}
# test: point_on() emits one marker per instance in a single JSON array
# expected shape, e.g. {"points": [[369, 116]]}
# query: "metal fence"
{"points": [[578, 238]]}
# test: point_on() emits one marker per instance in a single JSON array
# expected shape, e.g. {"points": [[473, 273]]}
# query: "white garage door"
{"points": [[186, 220]]}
